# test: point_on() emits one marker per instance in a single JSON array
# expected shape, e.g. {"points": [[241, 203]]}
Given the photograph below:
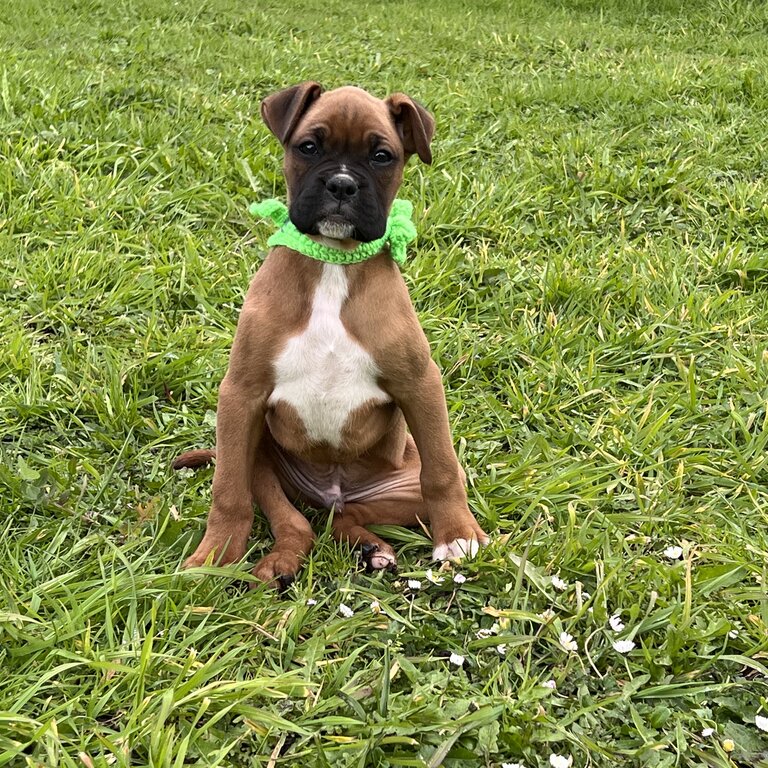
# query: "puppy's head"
{"points": [[344, 155]]}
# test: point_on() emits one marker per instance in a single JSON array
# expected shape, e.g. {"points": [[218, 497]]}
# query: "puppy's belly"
{"points": [[329, 484], [322, 373]]}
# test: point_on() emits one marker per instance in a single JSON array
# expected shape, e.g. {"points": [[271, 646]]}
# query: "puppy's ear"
{"points": [[414, 124], [282, 110]]}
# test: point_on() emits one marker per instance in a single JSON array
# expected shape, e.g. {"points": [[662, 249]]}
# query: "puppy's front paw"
{"points": [[459, 543], [215, 550], [278, 569], [456, 549]]}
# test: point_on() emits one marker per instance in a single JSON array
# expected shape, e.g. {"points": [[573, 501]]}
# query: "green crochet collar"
{"points": [[399, 232]]}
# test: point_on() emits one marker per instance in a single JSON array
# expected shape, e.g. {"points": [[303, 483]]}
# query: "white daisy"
{"points": [[346, 611], [459, 578], [457, 660], [558, 583], [549, 684], [434, 579], [761, 722], [414, 584], [547, 615], [558, 761], [623, 646], [707, 732], [674, 552], [567, 642], [616, 623]]}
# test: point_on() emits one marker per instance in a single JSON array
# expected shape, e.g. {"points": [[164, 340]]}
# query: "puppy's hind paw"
{"points": [[278, 569], [376, 558]]}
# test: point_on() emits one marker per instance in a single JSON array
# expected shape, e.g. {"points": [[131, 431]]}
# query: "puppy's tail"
{"points": [[194, 459]]}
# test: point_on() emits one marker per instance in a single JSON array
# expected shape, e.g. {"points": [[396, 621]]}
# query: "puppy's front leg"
{"points": [[239, 427], [455, 532]]}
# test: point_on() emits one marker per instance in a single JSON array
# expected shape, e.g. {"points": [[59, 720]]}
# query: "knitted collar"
{"points": [[399, 232]]}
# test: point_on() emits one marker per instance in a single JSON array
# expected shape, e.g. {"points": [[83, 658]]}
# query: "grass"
{"points": [[591, 272]]}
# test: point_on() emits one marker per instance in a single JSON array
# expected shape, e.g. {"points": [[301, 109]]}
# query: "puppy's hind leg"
{"points": [[375, 552], [293, 534], [390, 498]]}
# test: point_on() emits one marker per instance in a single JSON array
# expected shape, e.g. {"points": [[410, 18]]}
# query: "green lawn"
{"points": [[592, 272]]}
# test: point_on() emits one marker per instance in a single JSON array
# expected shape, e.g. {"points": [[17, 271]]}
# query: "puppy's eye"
{"points": [[382, 157], [308, 148]]}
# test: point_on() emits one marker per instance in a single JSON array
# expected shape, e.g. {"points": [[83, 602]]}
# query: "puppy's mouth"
{"points": [[335, 227], [362, 220]]}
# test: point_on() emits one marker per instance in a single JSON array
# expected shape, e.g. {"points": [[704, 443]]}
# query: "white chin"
{"points": [[337, 230]]}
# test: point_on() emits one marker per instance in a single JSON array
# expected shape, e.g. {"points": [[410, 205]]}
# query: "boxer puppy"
{"points": [[331, 397]]}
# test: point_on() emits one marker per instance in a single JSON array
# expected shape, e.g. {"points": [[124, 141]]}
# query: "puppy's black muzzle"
{"points": [[345, 195]]}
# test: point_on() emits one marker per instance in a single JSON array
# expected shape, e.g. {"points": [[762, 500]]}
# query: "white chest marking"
{"points": [[323, 372]]}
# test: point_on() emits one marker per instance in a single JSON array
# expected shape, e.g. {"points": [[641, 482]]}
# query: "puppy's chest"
{"points": [[322, 372]]}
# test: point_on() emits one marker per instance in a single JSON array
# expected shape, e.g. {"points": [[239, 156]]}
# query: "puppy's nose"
{"points": [[342, 186]]}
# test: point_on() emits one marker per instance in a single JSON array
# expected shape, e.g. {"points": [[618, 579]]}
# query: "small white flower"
{"points": [[414, 584], [568, 643], [761, 722], [501, 649], [311, 601], [558, 761], [585, 596], [549, 684], [734, 633], [459, 578], [707, 732], [434, 579], [482, 634], [547, 615], [512, 765], [558, 583], [346, 611], [616, 623], [623, 646], [457, 660], [673, 553], [375, 606]]}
